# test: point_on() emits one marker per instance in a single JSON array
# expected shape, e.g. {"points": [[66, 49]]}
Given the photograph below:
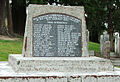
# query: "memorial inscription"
{"points": [[56, 35]]}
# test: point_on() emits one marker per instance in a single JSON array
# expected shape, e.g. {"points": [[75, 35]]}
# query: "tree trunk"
{"points": [[9, 17], [94, 36], [19, 16], [3, 30], [111, 39], [110, 25]]}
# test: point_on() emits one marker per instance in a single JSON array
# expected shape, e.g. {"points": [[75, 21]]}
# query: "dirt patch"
{"points": [[8, 38]]}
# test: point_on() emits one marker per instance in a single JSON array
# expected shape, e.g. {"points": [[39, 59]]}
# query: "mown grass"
{"points": [[94, 46], [9, 47], [15, 47]]}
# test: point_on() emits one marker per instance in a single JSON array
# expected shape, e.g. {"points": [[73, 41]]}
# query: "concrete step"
{"points": [[59, 64], [7, 74]]}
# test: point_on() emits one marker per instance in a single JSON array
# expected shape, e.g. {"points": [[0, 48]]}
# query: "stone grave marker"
{"points": [[92, 53], [101, 44], [106, 49], [105, 36], [103, 39], [55, 33], [117, 47]]}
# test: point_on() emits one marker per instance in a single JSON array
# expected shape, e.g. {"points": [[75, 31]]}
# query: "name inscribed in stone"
{"points": [[57, 35]]}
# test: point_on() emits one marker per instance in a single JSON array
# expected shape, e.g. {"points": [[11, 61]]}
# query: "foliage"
{"points": [[9, 47], [98, 13], [35, 2]]}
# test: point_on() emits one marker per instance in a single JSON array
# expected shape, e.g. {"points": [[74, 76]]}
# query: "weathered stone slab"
{"points": [[55, 31], [57, 34], [59, 64], [92, 53], [107, 49], [101, 44], [9, 75], [103, 39]]}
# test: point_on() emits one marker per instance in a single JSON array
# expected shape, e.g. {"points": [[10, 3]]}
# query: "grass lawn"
{"points": [[94, 46], [15, 47], [9, 47]]}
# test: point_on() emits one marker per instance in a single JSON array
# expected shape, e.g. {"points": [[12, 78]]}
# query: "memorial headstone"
{"points": [[92, 53], [101, 44], [117, 47], [55, 33], [103, 39], [106, 49], [105, 36]]}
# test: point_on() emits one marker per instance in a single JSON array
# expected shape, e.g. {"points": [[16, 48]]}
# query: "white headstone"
{"points": [[101, 44], [117, 43], [103, 39]]}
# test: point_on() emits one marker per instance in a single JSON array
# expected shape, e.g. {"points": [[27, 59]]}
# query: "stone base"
{"points": [[7, 74], [59, 64]]}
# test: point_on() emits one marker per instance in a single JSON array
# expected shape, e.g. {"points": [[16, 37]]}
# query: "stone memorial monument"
{"points": [[117, 45], [55, 34], [106, 49], [55, 50], [103, 39]]}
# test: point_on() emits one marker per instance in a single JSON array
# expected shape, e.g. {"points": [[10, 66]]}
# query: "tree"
{"points": [[111, 17], [9, 18], [94, 16], [19, 16], [98, 13], [5, 13], [2, 18]]}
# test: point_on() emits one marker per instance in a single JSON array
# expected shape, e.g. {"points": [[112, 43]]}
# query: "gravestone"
{"points": [[92, 53], [103, 39], [55, 33], [106, 49], [101, 44], [105, 36], [117, 47]]}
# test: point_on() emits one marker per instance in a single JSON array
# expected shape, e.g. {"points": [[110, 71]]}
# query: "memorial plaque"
{"points": [[56, 35]]}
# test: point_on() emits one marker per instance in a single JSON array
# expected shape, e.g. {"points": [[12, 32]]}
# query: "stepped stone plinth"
{"points": [[59, 64]]}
